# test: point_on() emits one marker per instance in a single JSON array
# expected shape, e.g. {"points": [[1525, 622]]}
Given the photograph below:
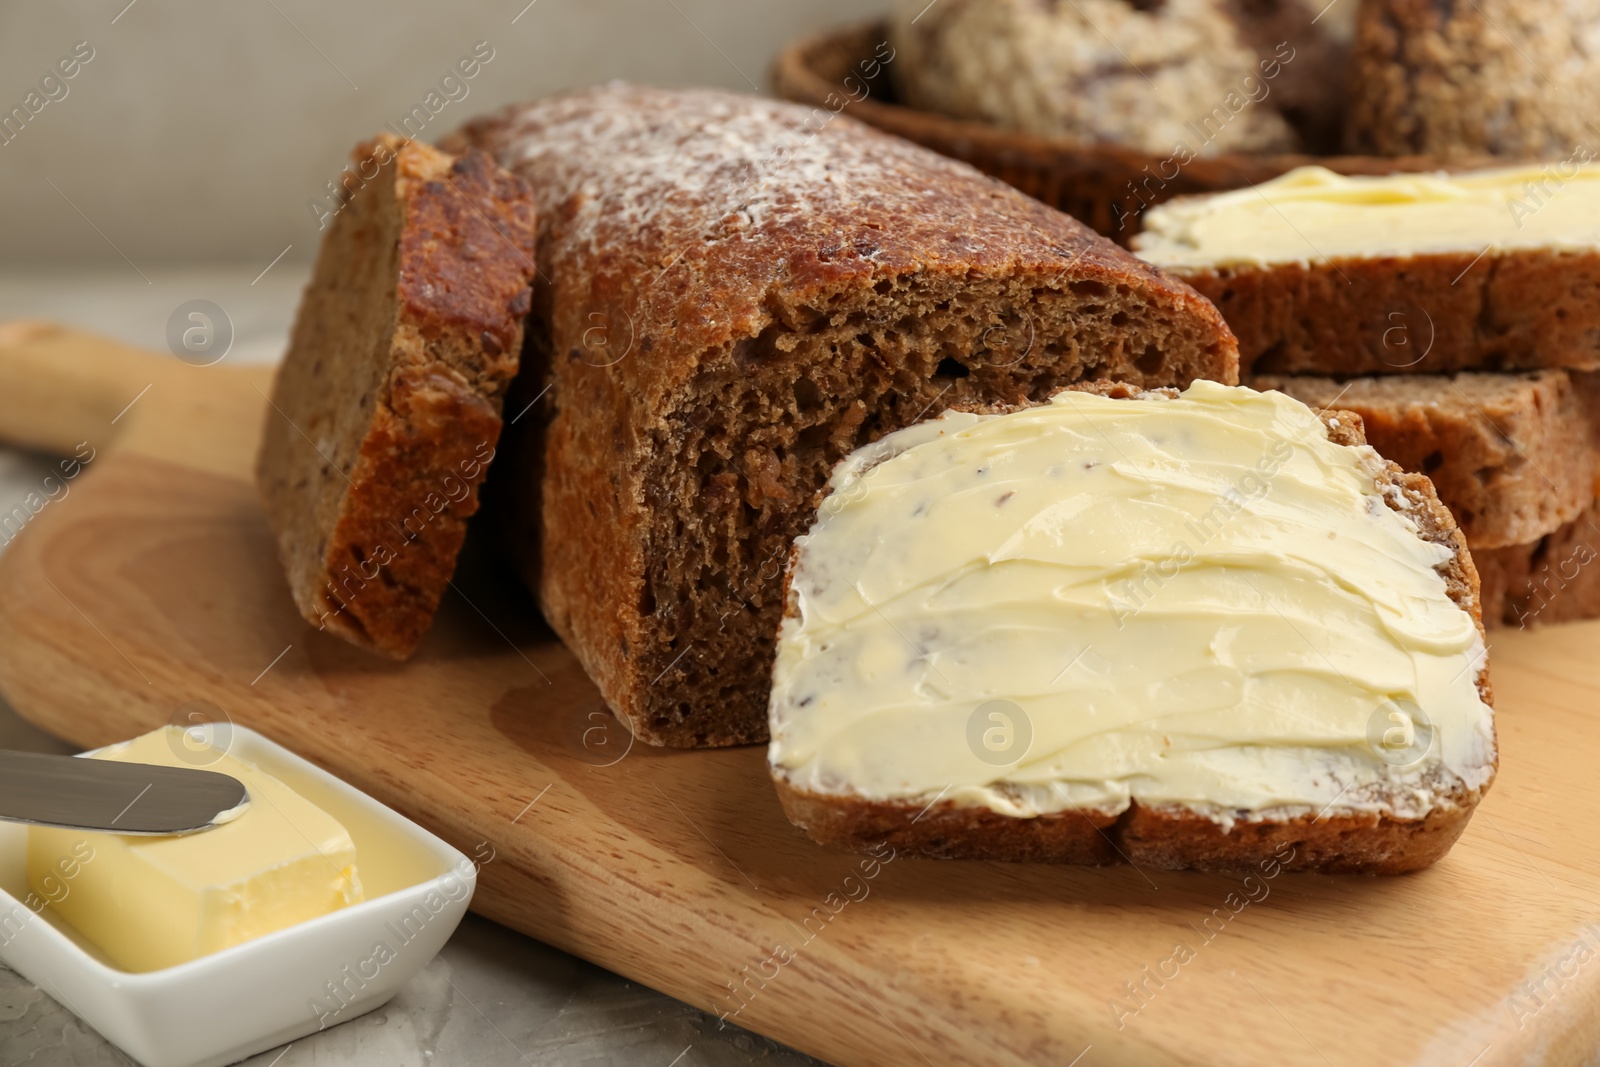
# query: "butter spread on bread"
{"points": [[1317, 273], [1199, 601], [1312, 213]]}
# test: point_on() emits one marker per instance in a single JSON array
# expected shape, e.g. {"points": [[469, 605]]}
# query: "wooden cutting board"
{"points": [[148, 590]]}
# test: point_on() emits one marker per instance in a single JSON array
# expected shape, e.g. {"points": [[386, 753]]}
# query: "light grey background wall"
{"points": [[199, 130]]}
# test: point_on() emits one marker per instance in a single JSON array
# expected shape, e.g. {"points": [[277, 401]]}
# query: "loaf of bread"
{"points": [[1310, 40], [1204, 630], [387, 407], [732, 299], [1509, 454], [1318, 273], [1149, 76], [1453, 78]]}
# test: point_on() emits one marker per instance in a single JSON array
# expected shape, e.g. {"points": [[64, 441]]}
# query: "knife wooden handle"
{"points": [[61, 387]]}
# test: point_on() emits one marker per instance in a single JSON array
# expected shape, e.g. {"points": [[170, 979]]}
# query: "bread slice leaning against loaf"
{"points": [[735, 294], [1107, 659], [387, 408]]}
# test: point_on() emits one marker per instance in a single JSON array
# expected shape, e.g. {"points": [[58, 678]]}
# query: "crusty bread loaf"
{"points": [[1367, 837], [1150, 76], [1509, 454], [1310, 87], [732, 299], [387, 407], [1553, 579], [1452, 78]]}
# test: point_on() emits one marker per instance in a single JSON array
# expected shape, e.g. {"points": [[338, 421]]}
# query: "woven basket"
{"points": [[1104, 185]]}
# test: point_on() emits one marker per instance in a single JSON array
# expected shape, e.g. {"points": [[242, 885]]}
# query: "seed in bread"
{"points": [[1509, 454], [734, 298], [1176, 629], [387, 407], [1318, 273], [1465, 78]]}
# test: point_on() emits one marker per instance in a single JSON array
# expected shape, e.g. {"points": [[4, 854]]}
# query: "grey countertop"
{"points": [[492, 996]]}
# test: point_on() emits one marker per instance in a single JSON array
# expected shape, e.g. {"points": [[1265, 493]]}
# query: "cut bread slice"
{"points": [[386, 410], [1553, 579], [1207, 630], [730, 303], [1509, 454], [1323, 274]]}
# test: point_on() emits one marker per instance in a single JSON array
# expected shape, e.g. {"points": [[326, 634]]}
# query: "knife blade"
{"points": [[112, 797]]}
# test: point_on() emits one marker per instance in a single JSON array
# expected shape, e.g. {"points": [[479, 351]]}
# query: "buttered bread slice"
{"points": [[1206, 629], [1325, 274]]}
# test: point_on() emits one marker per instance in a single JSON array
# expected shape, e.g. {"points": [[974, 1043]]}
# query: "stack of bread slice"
{"points": [[1459, 316]]}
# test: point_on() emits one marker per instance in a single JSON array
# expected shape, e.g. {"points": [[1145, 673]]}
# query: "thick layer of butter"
{"points": [[152, 902], [1199, 601], [1312, 214]]}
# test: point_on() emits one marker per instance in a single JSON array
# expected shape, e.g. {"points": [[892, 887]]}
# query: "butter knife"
{"points": [[112, 797]]}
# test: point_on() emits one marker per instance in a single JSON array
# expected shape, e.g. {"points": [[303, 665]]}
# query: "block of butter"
{"points": [[153, 902]]}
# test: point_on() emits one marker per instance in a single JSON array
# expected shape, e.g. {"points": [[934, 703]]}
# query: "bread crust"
{"points": [[1455, 78], [1060, 70], [386, 410], [732, 300], [1516, 310], [1180, 837]]}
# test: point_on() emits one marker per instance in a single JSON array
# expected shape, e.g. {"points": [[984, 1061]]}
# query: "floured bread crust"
{"points": [[1143, 75]]}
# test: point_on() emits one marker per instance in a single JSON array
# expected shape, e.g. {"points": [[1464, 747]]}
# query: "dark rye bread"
{"points": [[1180, 837], [1511, 310], [387, 407], [1509, 454], [1457, 78], [734, 296], [1553, 579]]}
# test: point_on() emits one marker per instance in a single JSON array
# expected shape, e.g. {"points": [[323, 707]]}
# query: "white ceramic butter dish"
{"points": [[242, 1000]]}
